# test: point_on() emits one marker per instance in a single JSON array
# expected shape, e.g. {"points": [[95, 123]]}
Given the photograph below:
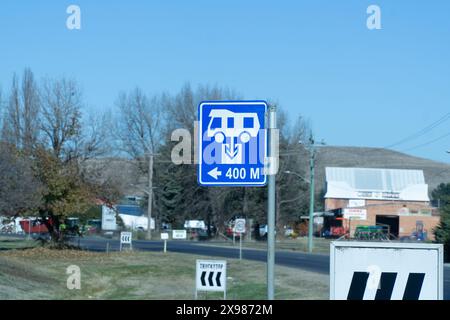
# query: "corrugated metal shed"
{"points": [[369, 183]]}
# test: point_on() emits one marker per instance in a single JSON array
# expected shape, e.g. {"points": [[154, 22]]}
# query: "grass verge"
{"points": [[40, 273]]}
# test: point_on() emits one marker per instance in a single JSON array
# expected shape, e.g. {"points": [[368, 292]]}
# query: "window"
{"points": [[216, 123], [248, 123], [230, 123]]}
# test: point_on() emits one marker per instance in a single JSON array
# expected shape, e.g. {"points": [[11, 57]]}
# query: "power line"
{"points": [[429, 142], [421, 132]]}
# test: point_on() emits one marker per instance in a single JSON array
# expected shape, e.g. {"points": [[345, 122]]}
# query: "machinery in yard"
{"points": [[377, 232]]}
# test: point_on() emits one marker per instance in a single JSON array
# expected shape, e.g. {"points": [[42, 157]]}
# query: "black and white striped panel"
{"points": [[386, 285]]}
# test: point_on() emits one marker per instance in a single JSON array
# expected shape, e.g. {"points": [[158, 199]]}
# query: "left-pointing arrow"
{"points": [[215, 173], [202, 278], [210, 278]]}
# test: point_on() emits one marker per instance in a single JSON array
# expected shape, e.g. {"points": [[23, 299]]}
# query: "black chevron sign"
{"points": [[125, 237], [211, 275], [386, 286], [213, 278]]}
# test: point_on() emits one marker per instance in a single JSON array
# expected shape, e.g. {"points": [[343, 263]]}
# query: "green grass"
{"points": [[7, 243], [41, 274], [320, 245]]}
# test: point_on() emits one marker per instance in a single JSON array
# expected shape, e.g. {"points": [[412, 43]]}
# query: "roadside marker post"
{"points": [[126, 238], [211, 275], [165, 237], [239, 228]]}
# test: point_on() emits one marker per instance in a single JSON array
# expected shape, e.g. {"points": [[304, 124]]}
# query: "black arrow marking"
{"points": [[413, 286], [202, 278], [218, 279], [387, 281], [210, 279], [358, 286]]}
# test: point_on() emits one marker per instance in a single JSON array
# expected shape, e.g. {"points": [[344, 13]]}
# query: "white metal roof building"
{"points": [[376, 184]]}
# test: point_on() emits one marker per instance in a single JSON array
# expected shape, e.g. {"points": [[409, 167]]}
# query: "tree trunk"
{"points": [[52, 224], [245, 200]]}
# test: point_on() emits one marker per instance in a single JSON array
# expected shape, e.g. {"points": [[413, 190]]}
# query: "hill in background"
{"points": [[127, 177]]}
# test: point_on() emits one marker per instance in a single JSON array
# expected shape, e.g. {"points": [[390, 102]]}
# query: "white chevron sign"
{"points": [[211, 275]]}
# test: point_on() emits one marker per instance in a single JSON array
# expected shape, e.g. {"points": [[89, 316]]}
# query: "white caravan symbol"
{"points": [[225, 123], [226, 126]]}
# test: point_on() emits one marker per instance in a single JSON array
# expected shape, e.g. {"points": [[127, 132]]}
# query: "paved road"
{"points": [[310, 262]]}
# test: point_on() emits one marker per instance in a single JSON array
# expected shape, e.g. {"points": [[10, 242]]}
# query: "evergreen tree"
{"points": [[442, 231]]}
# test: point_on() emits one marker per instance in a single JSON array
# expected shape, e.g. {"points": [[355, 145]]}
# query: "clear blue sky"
{"points": [[316, 58]]}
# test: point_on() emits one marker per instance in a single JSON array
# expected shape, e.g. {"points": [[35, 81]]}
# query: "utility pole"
{"points": [[150, 195], [271, 204], [311, 194]]}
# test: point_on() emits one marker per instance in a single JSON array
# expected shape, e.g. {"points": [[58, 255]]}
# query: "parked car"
{"points": [[202, 234], [93, 226]]}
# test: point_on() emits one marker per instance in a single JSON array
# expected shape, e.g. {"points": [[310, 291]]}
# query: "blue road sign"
{"points": [[232, 143]]}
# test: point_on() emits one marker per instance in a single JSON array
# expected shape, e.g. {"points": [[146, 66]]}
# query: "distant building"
{"points": [[394, 198], [133, 216]]}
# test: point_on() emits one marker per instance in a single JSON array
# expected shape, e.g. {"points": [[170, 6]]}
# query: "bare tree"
{"points": [[95, 140], [292, 189], [61, 117], [62, 126], [21, 118], [139, 124], [181, 109], [139, 133]]}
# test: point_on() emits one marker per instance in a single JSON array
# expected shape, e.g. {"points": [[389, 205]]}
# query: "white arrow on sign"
{"points": [[215, 173]]}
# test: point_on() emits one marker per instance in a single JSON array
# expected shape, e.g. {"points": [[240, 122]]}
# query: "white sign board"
{"points": [[108, 219], [211, 275], [355, 214], [386, 271], [239, 226], [125, 237], [164, 236], [356, 203], [179, 234]]}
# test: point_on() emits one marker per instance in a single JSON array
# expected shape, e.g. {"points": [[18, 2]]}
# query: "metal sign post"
{"points": [[165, 236], [271, 205], [240, 246], [239, 228]]}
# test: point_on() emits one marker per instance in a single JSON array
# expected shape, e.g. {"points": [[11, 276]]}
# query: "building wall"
{"points": [[332, 203], [408, 211]]}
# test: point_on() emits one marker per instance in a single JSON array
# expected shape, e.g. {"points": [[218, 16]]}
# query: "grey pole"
{"points": [[240, 246], [311, 198], [271, 209], [150, 196]]}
